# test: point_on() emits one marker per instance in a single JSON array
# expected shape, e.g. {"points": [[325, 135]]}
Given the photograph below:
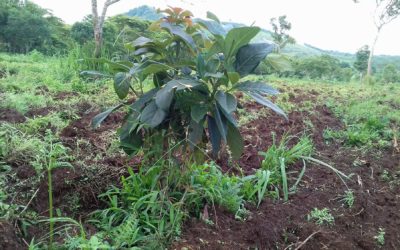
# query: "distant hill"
{"points": [[296, 50], [144, 12]]}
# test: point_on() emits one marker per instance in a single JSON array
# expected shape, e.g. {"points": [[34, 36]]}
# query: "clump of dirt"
{"points": [[11, 115], [38, 112], [64, 95]]}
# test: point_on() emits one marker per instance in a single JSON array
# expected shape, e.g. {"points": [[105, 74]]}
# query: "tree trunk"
{"points": [[371, 54], [98, 22]]}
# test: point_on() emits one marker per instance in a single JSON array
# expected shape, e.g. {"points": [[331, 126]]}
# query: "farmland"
{"points": [[45, 114]]}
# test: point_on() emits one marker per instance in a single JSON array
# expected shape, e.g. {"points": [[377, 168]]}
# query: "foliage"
{"points": [[361, 62], [27, 27], [390, 74], [321, 216], [280, 27], [194, 69], [279, 156], [380, 237], [348, 198]]}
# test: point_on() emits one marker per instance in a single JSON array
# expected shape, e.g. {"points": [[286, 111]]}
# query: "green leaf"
{"points": [[234, 77], [259, 87], [249, 57], [196, 131], [152, 115], [94, 73], [181, 84], [122, 82], [201, 66], [130, 142], [237, 38], [213, 27], [99, 118], [145, 98], [164, 97], [261, 100], [221, 122], [155, 68], [198, 112], [212, 16], [279, 62], [180, 32], [235, 141], [226, 101], [215, 136], [141, 41]]}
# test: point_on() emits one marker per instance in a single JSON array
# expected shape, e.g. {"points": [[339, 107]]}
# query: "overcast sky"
{"points": [[328, 24]]}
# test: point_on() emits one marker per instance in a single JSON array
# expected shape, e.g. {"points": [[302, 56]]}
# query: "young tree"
{"points": [[98, 22], [361, 62], [390, 73], [281, 28], [385, 12]]}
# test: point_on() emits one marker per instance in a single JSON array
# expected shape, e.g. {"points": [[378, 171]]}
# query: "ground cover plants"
{"points": [[327, 176]]}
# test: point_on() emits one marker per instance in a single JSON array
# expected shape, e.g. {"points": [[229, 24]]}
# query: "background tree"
{"points": [[98, 22], [385, 12], [361, 62], [390, 74], [281, 27]]}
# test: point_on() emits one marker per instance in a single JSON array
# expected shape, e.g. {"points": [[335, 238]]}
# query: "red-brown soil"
{"points": [[284, 225], [11, 115]]}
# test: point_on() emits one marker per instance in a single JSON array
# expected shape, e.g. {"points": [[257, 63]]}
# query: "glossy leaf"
{"points": [[152, 115], [145, 98], [226, 101], [212, 16], [259, 87], [196, 130], [215, 136], [249, 57], [221, 123], [130, 142], [234, 77], [164, 98], [122, 83], [198, 112], [235, 141], [99, 118], [180, 32], [267, 103], [213, 27], [237, 38], [141, 41]]}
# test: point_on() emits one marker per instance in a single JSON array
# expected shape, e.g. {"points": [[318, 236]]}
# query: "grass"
{"points": [[321, 216]]}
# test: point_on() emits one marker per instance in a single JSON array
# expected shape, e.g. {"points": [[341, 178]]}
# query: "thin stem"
{"points": [[49, 179]]}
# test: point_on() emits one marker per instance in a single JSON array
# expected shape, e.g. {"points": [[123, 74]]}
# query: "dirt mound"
{"points": [[8, 237], [11, 115]]}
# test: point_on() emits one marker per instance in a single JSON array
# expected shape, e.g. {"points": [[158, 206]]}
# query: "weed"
{"points": [[380, 237], [321, 216], [348, 198]]}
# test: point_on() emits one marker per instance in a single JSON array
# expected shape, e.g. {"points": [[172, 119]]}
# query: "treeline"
{"points": [[329, 68], [27, 27]]}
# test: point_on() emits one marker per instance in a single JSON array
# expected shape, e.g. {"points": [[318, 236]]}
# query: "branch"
{"points": [[105, 7], [95, 13]]}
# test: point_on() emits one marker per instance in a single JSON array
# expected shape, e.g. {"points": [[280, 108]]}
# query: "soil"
{"points": [[11, 115], [8, 237], [284, 225]]}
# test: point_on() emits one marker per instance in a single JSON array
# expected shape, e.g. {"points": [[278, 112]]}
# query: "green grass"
{"points": [[321, 216]]}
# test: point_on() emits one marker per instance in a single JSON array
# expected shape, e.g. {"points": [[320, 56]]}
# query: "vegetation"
{"points": [[198, 160]]}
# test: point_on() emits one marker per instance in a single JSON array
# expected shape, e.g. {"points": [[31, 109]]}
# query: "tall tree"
{"points": [[281, 28], [98, 22], [385, 12]]}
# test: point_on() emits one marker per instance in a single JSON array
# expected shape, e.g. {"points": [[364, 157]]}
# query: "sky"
{"points": [[338, 25]]}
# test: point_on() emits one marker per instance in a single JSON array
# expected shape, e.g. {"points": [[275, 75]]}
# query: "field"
{"points": [[337, 189]]}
